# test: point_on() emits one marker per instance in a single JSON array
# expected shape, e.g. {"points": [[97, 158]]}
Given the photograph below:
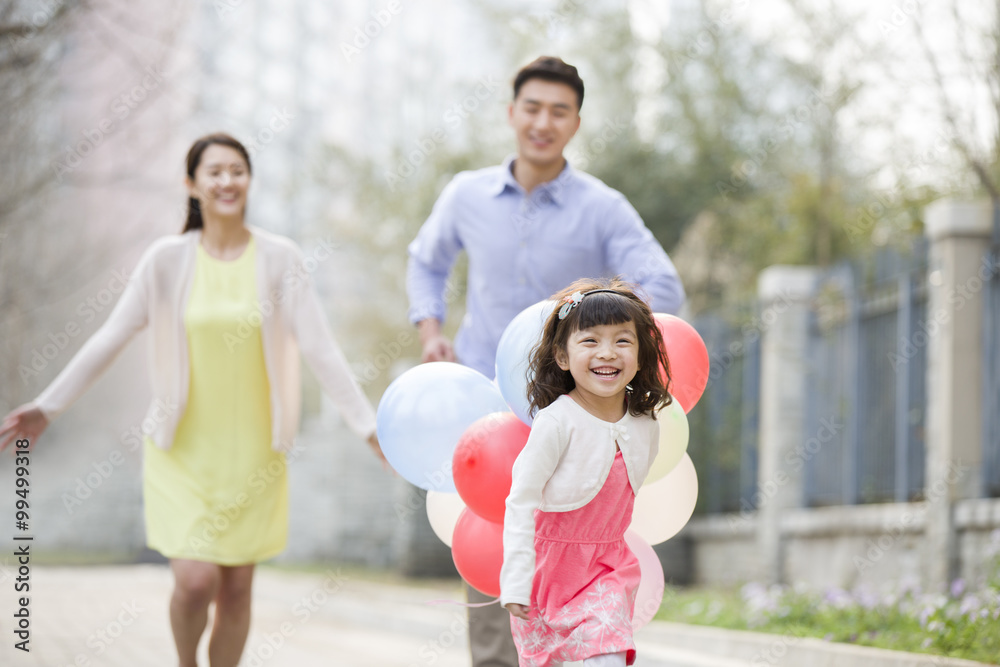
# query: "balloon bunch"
{"points": [[449, 429]]}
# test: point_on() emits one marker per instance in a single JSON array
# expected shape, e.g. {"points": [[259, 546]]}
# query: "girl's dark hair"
{"points": [[194, 220], [649, 389]]}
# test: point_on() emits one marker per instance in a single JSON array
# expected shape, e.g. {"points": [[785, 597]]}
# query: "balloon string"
{"points": [[465, 604]]}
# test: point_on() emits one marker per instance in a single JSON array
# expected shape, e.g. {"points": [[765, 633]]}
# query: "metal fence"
{"points": [[723, 443], [863, 439], [991, 367], [865, 389]]}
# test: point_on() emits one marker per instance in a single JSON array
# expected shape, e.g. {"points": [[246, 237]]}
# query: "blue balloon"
{"points": [[514, 351], [424, 412]]}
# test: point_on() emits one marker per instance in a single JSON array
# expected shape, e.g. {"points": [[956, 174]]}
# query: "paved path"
{"points": [[117, 617]]}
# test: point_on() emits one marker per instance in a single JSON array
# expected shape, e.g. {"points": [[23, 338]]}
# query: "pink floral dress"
{"points": [[586, 577]]}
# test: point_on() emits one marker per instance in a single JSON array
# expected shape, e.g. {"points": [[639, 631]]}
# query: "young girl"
{"points": [[568, 578]]}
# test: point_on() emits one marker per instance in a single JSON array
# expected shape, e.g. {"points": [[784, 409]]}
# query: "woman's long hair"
{"points": [[194, 220], [622, 304]]}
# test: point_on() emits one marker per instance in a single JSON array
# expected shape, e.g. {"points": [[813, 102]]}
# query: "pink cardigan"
{"points": [[290, 318]]}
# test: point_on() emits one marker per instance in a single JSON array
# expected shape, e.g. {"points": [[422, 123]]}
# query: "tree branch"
{"points": [[975, 163]]}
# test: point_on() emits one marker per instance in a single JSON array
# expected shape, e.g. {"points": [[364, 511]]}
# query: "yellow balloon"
{"points": [[674, 434], [663, 508], [443, 510]]}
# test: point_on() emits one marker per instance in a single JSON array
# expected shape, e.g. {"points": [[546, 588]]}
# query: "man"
{"points": [[530, 227]]}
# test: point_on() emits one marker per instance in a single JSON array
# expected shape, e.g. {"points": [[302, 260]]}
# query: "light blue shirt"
{"points": [[523, 249]]}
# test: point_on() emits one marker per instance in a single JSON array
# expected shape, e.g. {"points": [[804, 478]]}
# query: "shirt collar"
{"points": [[506, 178], [555, 189]]}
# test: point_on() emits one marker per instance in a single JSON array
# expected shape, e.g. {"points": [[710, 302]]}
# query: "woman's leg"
{"points": [[232, 616], [606, 660], [195, 586]]}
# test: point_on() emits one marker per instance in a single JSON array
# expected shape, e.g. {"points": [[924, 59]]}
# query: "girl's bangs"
{"points": [[603, 308]]}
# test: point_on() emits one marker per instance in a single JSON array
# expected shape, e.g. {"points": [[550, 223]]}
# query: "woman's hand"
{"points": [[377, 448], [26, 422], [518, 610]]}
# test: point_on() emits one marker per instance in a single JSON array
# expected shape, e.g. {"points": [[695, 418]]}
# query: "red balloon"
{"points": [[477, 549], [483, 459], [688, 357]]}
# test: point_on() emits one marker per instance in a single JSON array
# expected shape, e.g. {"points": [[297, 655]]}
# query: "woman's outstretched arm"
{"points": [[129, 316]]}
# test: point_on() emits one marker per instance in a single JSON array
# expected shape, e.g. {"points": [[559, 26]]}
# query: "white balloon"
{"points": [[514, 352], [443, 510], [424, 412], [665, 506]]}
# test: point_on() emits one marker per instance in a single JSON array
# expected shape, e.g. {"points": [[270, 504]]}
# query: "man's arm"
{"points": [[634, 253], [431, 257]]}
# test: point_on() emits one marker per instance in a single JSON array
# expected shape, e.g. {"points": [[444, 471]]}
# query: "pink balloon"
{"points": [[482, 462], [477, 549], [688, 358], [651, 583]]}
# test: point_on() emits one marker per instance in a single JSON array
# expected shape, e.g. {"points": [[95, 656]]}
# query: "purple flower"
{"points": [[837, 598], [910, 587], [957, 588], [752, 591], [970, 605], [865, 599]]}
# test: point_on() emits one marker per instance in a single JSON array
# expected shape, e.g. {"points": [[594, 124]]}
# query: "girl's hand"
{"points": [[377, 448], [26, 421], [518, 610]]}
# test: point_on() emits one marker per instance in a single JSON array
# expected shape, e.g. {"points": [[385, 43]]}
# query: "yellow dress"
{"points": [[220, 493]]}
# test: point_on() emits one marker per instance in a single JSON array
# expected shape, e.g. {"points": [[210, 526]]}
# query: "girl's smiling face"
{"points": [[602, 359]]}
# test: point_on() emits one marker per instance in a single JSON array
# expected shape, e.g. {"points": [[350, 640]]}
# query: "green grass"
{"points": [[965, 624]]}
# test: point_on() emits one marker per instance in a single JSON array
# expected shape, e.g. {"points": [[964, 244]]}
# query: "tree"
{"points": [[961, 82], [61, 68]]}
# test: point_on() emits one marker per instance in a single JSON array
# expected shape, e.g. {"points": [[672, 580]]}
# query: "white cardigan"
{"points": [[157, 295], [562, 467]]}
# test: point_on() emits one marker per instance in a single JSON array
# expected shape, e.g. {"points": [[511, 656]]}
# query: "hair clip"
{"points": [[569, 304], [572, 301]]}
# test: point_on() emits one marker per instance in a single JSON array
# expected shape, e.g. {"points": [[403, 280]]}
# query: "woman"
{"points": [[228, 307]]}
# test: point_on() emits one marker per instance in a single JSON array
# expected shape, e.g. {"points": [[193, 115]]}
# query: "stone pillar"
{"points": [[783, 293], [959, 233]]}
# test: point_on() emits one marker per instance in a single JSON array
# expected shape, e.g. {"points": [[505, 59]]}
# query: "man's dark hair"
{"points": [[549, 68]]}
